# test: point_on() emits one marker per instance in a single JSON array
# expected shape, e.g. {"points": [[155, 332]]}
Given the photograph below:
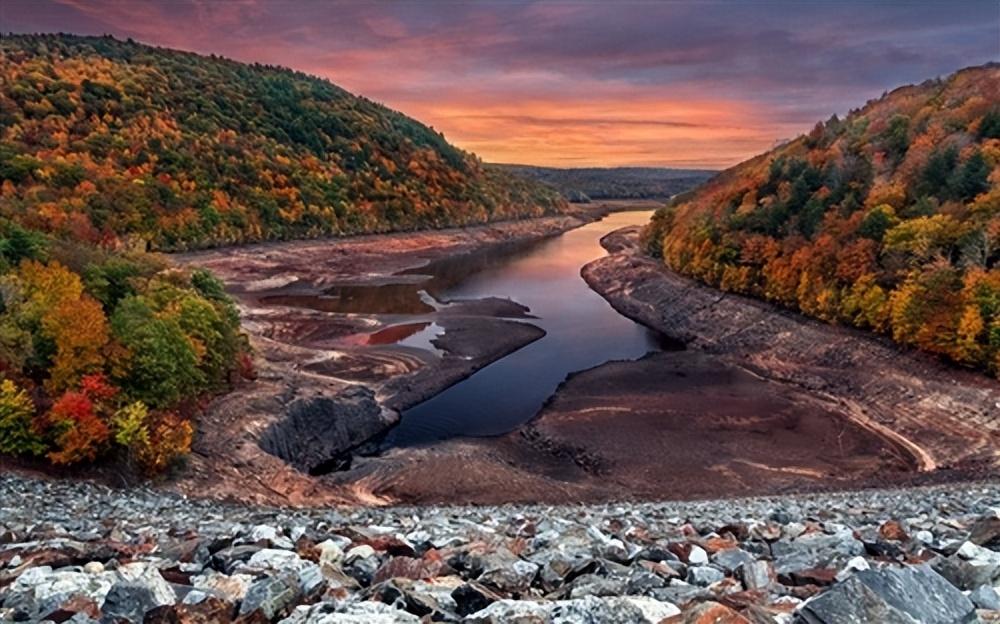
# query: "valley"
{"points": [[468, 405]]}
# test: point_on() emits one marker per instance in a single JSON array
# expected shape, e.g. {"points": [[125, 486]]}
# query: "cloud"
{"points": [[701, 84]]}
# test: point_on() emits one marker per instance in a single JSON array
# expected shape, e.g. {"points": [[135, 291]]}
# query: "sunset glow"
{"points": [[572, 84]]}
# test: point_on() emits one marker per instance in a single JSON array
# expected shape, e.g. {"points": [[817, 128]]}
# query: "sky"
{"points": [[574, 83]]}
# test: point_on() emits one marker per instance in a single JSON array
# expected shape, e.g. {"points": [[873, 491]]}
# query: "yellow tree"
{"points": [[71, 319]]}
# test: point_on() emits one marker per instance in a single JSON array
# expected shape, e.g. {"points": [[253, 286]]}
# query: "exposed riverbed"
{"points": [[518, 383]]}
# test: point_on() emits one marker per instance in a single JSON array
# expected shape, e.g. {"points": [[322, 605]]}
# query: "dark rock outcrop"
{"points": [[318, 434]]}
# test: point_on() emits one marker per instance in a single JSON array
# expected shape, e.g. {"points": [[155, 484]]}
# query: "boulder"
{"points": [[318, 434], [703, 576], [985, 531], [507, 573], [272, 596], [985, 597], [890, 596], [40, 591], [472, 598]]}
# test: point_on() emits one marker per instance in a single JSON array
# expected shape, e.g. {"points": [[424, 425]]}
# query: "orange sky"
{"points": [[562, 83]]}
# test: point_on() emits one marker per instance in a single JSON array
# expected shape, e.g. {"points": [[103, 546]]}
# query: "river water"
{"points": [[582, 331]]}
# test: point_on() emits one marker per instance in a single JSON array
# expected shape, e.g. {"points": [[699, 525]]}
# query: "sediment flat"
{"points": [[762, 401], [306, 352], [944, 417]]}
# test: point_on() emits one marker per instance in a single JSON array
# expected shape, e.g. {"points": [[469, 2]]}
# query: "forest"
{"points": [[887, 220], [122, 144]]}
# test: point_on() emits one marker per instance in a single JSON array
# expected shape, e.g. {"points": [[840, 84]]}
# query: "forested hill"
{"points": [[587, 183], [888, 220], [106, 140]]}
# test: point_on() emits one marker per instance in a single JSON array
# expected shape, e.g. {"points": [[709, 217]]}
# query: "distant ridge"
{"points": [[586, 183]]}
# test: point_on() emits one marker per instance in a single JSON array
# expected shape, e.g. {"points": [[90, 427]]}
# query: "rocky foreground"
{"points": [[82, 553]]}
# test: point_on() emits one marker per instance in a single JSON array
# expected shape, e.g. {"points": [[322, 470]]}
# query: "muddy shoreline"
{"points": [[944, 417], [308, 354]]}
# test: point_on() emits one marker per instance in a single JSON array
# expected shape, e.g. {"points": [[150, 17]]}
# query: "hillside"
{"points": [[105, 140], [587, 183], [887, 220]]}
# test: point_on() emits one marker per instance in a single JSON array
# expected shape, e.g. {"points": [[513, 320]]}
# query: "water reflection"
{"points": [[582, 331]]}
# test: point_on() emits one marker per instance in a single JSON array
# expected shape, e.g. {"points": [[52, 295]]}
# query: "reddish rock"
{"points": [[742, 599], [208, 611], [893, 531], [73, 605], [708, 613], [715, 544], [388, 544], [811, 576], [660, 568], [738, 530], [407, 567]]}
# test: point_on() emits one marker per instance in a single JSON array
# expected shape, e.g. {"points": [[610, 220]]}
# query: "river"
{"points": [[582, 331]]}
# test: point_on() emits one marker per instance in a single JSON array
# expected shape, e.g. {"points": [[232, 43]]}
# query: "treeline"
{"points": [[119, 143], [887, 220], [589, 183]]}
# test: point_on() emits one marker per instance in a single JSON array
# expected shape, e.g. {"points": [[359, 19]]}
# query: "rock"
{"points": [[891, 596], [812, 576], [473, 597], [129, 601], [41, 591], [75, 607], [986, 531], [710, 613], [329, 552], [350, 613], [985, 597], [704, 576], [697, 556], [232, 588], [732, 558], [407, 567], [964, 574], [893, 531], [211, 610], [854, 565], [756, 574], [309, 574], [93, 567], [594, 585], [271, 596], [317, 434], [225, 560], [508, 611], [508, 574], [627, 610]]}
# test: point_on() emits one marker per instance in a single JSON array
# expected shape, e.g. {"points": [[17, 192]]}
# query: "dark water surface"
{"points": [[582, 331]]}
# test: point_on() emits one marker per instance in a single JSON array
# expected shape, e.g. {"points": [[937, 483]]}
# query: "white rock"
{"points": [[854, 565], [363, 551], [93, 567], [698, 556], [330, 552], [652, 609]]}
